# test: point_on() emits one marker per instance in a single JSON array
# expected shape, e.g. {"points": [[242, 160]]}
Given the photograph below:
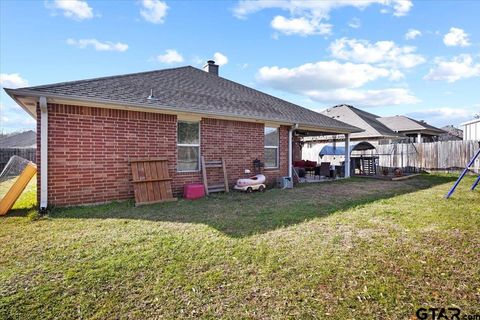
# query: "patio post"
{"points": [[347, 155], [419, 138], [290, 154]]}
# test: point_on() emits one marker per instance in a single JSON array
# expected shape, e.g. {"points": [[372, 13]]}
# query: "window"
{"points": [[188, 146], [271, 147]]}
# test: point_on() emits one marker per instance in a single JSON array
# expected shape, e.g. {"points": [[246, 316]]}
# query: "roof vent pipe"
{"points": [[211, 67], [151, 96]]}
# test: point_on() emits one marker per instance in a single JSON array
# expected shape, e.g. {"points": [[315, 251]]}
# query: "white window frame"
{"points": [[273, 147], [190, 145]]}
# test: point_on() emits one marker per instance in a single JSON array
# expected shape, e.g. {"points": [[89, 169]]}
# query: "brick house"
{"points": [[88, 130]]}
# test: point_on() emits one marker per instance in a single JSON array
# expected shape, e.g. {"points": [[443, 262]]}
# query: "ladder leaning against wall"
{"points": [[220, 164]]}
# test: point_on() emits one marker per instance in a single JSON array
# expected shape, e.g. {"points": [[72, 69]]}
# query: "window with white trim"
{"points": [[188, 146], [271, 147]]}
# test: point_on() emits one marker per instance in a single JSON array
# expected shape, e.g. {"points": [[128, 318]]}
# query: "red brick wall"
{"points": [[89, 149]]}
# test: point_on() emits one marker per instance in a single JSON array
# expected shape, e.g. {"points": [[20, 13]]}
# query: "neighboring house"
{"points": [[418, 129], [88, 130], [374, 131], [25, 139], [451, 134], [471, 129]]}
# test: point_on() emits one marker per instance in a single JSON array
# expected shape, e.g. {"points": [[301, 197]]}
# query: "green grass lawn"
{"points": [[362, 248]]}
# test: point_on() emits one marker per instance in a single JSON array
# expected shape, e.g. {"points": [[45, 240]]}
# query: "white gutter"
{"points": [[43, 153]]}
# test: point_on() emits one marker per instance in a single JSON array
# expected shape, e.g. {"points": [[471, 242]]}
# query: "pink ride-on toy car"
{"points": [[251, 184]]}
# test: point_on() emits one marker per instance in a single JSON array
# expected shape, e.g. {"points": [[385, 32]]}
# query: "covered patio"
{"points": [[363, 157], [319, 171]]}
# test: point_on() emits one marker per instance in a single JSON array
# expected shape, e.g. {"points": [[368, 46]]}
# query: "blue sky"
{"points": [[419, 58]]}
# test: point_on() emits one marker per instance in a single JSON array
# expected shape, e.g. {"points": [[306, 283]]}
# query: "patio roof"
{"points": [[334, 150]]}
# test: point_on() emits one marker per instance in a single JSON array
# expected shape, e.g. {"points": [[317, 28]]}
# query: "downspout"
{"points": [[43, 154], [290, 150], [290, 156]]}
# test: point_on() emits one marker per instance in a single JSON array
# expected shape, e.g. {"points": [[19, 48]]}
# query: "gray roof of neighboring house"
{"points": [[26, 139], [451, 133], [361, 119], [406, 124], [187, 89]]}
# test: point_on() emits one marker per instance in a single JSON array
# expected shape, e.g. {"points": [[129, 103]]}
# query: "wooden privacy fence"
{"points": [[7, 153], [441, 155], [151, 181]]}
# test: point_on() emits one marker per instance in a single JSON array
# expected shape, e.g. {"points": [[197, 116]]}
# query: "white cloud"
{"points": [[443, 116], [456, 37], [97, 45], [12, 80], [220, 58], [74, 9], [459, 67], [396, 75], [412, 34], [319, 9], [366, 98], [355, 23], [13, 118], [154, 11], [446, 112], [386, 53], [320, 75], [171, 56], [301, 26], [335, 82], [307, 16], [401, 7]]}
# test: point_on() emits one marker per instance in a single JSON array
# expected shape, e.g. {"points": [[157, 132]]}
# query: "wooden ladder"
{"points": [[214, 164]]}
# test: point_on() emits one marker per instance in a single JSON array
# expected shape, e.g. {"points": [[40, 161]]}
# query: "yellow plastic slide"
{"points": [[17, 188]]}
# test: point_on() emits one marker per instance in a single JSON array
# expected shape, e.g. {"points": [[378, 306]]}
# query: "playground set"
{"points": [[464, 172]]}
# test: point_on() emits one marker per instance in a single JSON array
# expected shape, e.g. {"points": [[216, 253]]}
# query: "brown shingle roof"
{"points": [[189, 89]]}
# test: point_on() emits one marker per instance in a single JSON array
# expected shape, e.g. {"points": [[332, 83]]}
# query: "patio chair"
{"points": [[325, 169]]}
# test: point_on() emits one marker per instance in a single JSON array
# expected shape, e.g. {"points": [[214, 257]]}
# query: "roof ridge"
{"points": [[377, 122], [103, 78], [362, 117], [368, 121], [354, 109], [364, 112]]}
